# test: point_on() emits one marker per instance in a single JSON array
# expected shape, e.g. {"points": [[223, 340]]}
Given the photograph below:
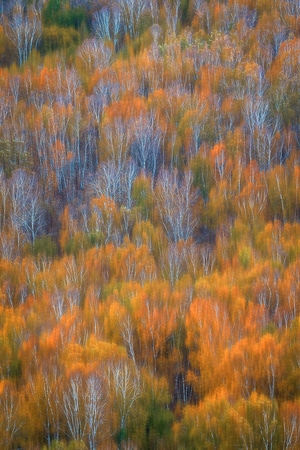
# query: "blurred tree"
{"points": [[9, 419], [176, 200], [23, 29], [27, 213], [125, 384]]}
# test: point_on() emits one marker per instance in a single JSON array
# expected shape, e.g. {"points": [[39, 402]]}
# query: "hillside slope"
{"points": [[149, 224]]}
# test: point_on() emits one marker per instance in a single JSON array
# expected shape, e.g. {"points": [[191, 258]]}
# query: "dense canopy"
{"points": [[149, 224]]}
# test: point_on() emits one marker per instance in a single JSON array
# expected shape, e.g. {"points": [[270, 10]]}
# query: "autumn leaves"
{"points": [[149, 208]]}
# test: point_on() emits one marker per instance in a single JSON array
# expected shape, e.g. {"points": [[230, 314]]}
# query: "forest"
{"points": [[149, 224]]}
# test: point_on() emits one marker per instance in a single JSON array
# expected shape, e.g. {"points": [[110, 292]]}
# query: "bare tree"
{"points": [[125, 385], [107, 23], [116, 25], [50, 407], [117, 139], [154, 10], [107, 182], [147, 142], [256, 115], [27, 213], [114, 181], [14, 87], [131, 13], [207, 257], [72, 408], [95, 54], [83, 405], [95, 399], [127, 333], [288, 9], [265, 423], [101, 23], [262, 128], [203, 11], [175, 201], [290, 414], [173, 263], [108, 90], [172, 13], [9, 421], [96, 106], [24, 30]]}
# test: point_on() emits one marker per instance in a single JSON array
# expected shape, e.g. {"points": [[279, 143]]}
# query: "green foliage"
{"points": [[58, 38], [61, 445], [245, 256], [14, 155], [186, 7], [158, 427], [80, 241], [202, 174], [43, 246], [51, 10], [15, 368], [95, 238], [58, 12], [143, 197]]}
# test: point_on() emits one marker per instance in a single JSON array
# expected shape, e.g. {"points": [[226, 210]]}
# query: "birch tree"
{"points": [[24, 30], [126, 387], [27, 214], [175, 201]]}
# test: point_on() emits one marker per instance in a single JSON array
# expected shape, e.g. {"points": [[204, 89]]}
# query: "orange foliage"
{"points": [[201, 335]]}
